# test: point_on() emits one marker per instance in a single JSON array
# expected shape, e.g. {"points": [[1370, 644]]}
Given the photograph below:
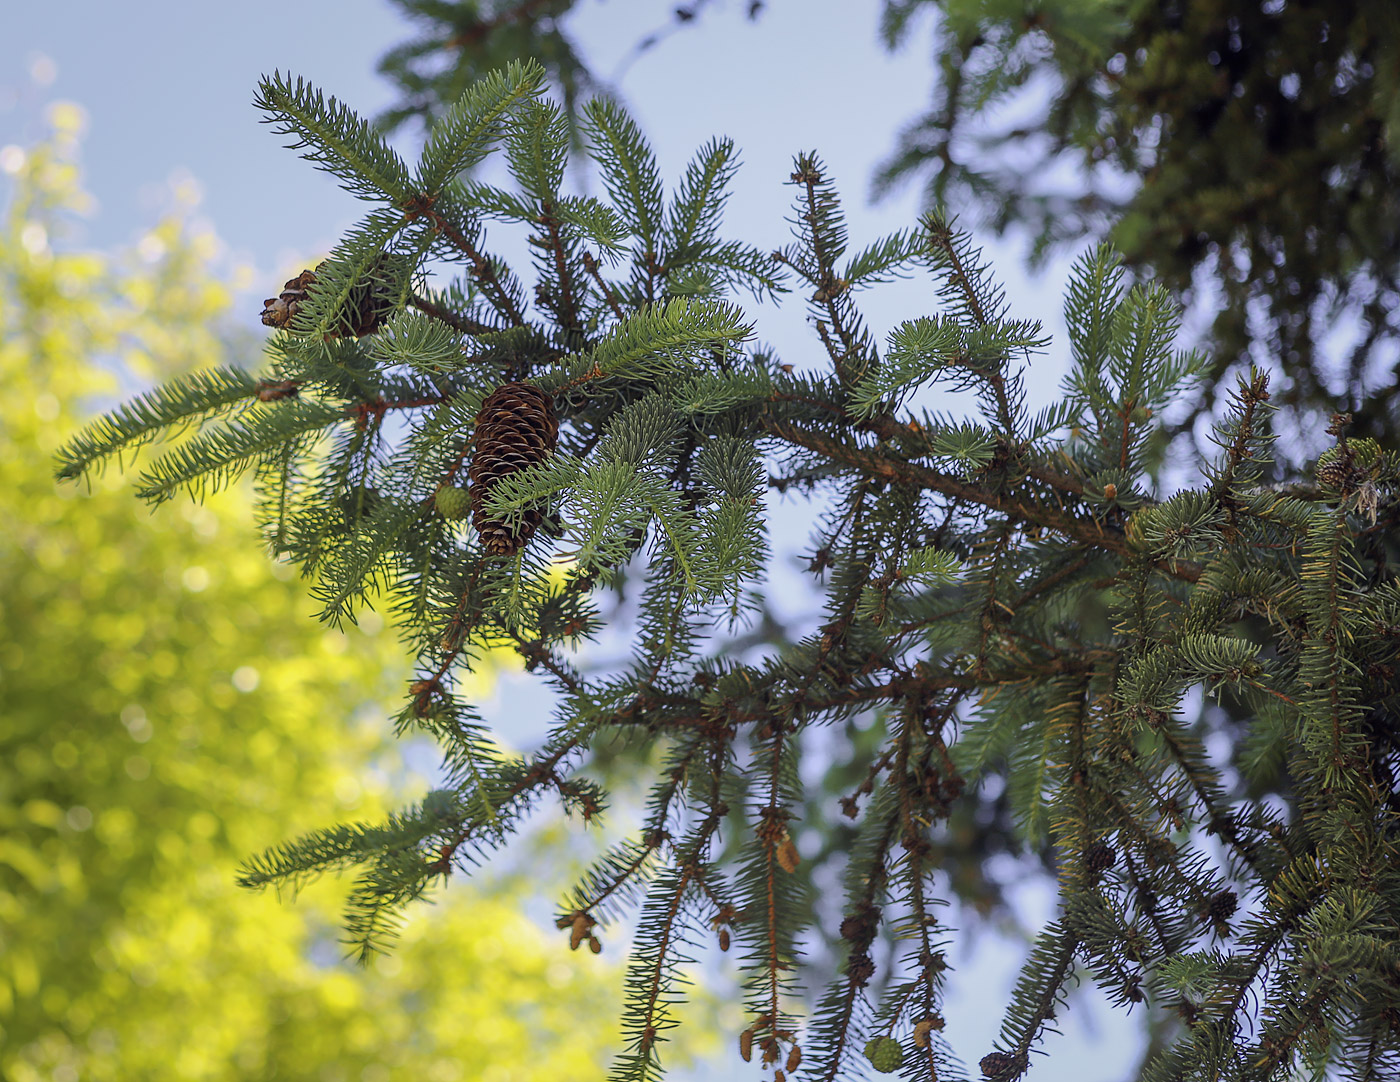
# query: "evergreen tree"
{"points": [[1241, 154], [1209, 142], [1007, 600]]}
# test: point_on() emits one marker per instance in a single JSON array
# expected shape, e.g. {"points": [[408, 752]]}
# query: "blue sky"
{"points": [[167, 89]]}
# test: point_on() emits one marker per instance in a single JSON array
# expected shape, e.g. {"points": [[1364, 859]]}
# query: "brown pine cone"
{"points": [[368, 305], [1334, 470], [515, 428], [1001, 1066], [1099, 857], [279, 311], [365, 310], [1222, 907]]}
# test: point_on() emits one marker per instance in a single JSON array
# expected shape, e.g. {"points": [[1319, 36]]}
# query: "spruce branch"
{"points": [[167, 410], [464, 135], [997, 596], [334, 138], [463, 324], [215, 458], [634, 182], [486, 272], [614, 305]]}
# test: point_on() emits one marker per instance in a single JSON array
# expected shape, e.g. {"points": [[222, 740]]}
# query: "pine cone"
{"points": [[1100, 857], [1000, 1066], [1222, 907], [884, 1054], [1334, 470], [279, 311], [515, 428], [452, 502], [365, 310], [368, 305]]}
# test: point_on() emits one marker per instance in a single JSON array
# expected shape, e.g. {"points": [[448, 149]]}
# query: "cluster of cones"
{"points": [[516, 426]]}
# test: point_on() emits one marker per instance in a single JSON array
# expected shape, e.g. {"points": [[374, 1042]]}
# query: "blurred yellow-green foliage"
{"points": [[168, 707]]}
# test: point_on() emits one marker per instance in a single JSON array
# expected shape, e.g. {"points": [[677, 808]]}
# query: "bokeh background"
{"points": [[166, 704]]}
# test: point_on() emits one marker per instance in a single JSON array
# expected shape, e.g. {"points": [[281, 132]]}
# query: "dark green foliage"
{"points": [[1242, 153], [462, 42], [1007, 601]]}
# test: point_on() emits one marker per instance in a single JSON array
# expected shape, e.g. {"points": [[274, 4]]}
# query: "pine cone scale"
{"points": [[279, 311]]}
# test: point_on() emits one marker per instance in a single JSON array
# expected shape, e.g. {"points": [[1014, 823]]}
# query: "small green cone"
{"points": [[884, 1054], [452, 503]]}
